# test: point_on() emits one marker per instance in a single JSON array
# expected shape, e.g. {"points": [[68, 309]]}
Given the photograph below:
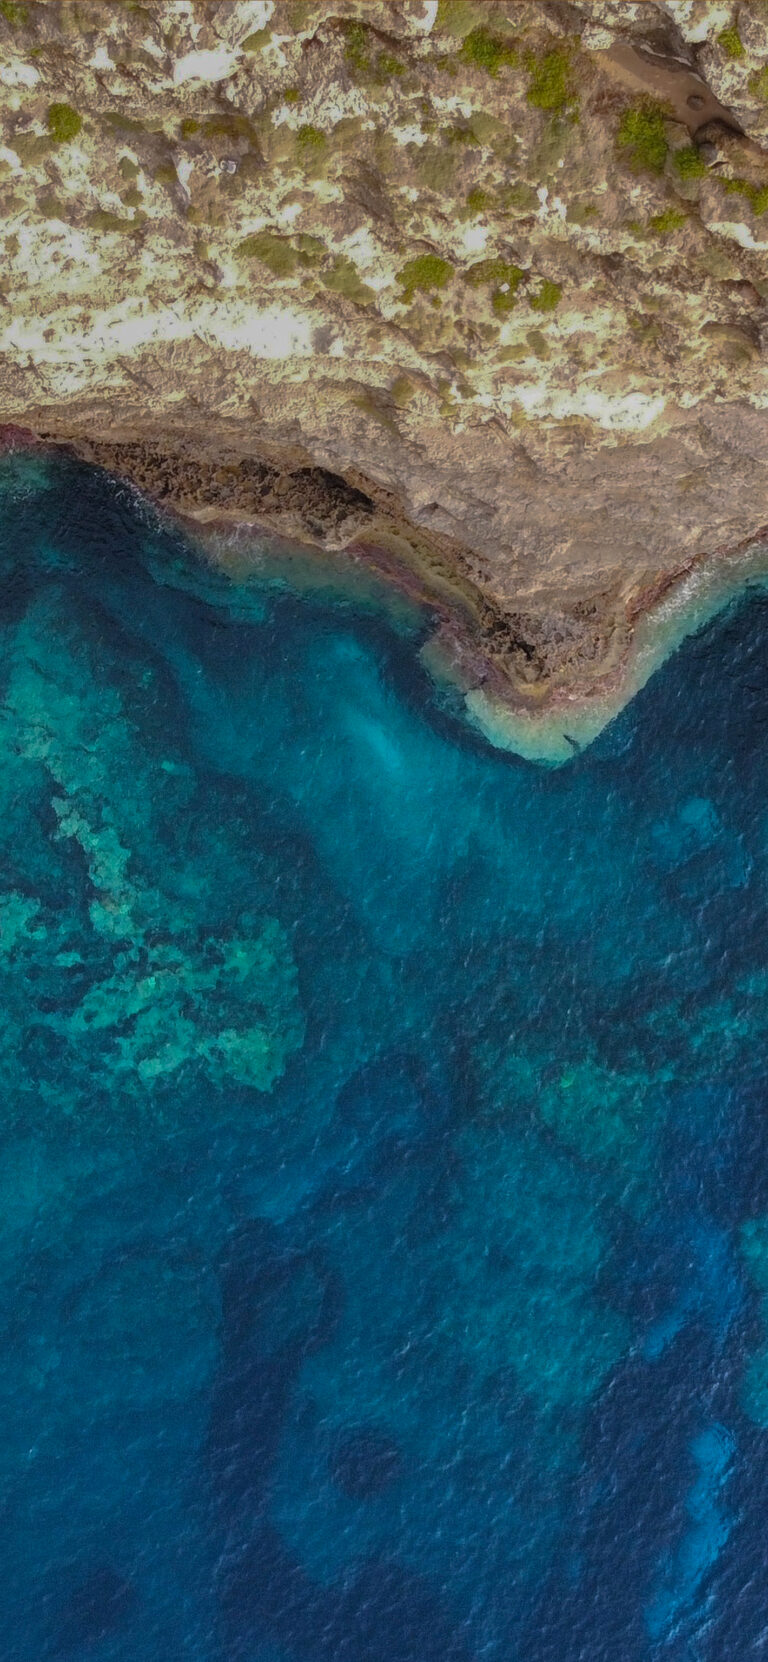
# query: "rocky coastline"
{"points": [[476, 293]]}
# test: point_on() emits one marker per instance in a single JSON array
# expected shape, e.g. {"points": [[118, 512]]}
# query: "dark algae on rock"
{"points": [[384, 1239]]}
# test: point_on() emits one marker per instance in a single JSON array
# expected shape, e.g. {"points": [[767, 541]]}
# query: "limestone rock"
{"points": [[482, 285]]}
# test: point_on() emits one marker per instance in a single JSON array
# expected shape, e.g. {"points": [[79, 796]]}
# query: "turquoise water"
{"points": [[384, 1155]]}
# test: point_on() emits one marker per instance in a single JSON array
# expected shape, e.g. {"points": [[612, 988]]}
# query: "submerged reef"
{"points": [[383, 1194], [477, 292], [159, 979]]}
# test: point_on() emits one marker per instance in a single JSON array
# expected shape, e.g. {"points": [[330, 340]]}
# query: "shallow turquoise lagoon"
{"points": [[384, 1151]]}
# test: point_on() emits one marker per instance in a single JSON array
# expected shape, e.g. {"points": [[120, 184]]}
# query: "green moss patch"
{"points": [[388, 67], [689, 162], [123, 123], [758, 83], [50, 207], [548, 296], [485, 50], [460, 133], [436, 167], [64, 123], [310, 139], [402, 391], [457, 17], [669, 220], [504, 300], [581, 213], [166, 174], [731, 43], [484, 272], [382, 67], [229, 125], [502, 276], [550, 85], [756, 195], [374, 403], [538, 344], [642, 139], [520, 198], [310, 249], [102, 220], [31, 147], [478, 199], [276, 253], [357, 47], [424, 274], [344, 278], [256, 41]]}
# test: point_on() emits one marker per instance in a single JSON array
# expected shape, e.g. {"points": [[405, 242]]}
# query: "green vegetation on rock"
{"points": [[550, 86], [387, 66], [520, 198], [14, 12], [310, 138], [357, 52], [457, 17], [30, 148], [436, 167], [344, 278], [671, 219], [64, 123], [502, 276], [166, 174], [124, 123], [310, 249], [730, 40], [375, 404], [50, 207], [402, 391], [756, 195], [493, 271], [758, 83], [101, 219], [424, 274], [460, 133], [485, 50], [689, 162], [257, 40], [230, 125], [504, 299], [356, 38], [276, 253], [642, 138], [580, 213], [548, 296]]}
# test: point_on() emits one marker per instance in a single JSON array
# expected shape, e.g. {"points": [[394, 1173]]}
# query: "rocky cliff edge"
{"points": [[476, 290]]}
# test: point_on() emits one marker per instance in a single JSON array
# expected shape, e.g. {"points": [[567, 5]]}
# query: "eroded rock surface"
{"points": [[484, 285]]}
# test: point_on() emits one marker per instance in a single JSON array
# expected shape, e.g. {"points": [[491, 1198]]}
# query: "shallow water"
{"points": [[384, 1157]]}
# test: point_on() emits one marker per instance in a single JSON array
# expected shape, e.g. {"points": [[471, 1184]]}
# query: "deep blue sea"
{"points": [[384, 1137]]}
